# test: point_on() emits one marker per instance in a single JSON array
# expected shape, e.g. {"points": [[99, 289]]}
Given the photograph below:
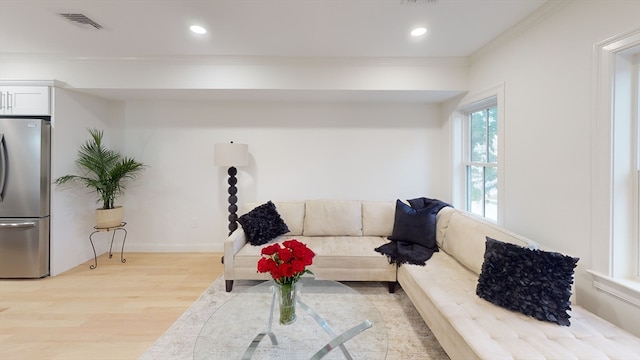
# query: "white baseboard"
{"points": [[218, 248]]}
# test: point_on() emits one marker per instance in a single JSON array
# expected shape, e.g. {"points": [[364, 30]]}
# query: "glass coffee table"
{"points": [[333, 322]]}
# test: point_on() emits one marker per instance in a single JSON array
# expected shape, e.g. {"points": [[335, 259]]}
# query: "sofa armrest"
{"points": [[232, 245]]}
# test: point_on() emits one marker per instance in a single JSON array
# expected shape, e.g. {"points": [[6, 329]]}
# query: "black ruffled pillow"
{"points": [[533, 282], [414, 226], [263, 224]]}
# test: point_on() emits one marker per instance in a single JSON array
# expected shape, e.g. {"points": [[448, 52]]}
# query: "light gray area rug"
{"points": [[409, 337]]}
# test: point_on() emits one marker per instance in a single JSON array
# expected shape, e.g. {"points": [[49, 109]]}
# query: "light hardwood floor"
{"points": [[115, 311]]}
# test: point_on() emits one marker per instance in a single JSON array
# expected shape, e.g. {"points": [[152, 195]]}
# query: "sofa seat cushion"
{"points": [[492, 332], [346, 252]]}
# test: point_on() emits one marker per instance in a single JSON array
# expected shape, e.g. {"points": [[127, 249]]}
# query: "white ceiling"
{"points": [[257, 28], [327, 28]]}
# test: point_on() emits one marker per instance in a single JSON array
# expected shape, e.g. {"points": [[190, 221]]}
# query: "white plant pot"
{"points": [[108, 218]]}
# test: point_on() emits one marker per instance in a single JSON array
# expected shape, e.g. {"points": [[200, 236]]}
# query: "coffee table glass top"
{"points": [[326, 307]]}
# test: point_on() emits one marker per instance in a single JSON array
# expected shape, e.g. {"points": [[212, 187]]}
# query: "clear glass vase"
{"points": [[286, 295]]}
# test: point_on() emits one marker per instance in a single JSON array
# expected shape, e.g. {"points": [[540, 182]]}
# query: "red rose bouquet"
{"points": [[286, 262]]}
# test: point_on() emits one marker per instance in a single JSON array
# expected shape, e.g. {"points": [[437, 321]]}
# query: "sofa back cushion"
{"points": [[292, 212], [465, 238], [377, 218], [333, 218]]}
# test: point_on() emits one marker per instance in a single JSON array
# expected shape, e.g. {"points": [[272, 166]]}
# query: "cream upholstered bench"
{"points": [[342, 233]]}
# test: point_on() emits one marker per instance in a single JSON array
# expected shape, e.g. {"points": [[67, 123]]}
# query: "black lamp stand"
{"points": [[233, 199]]}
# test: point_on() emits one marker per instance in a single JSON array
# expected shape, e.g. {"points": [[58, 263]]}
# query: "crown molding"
{"points": [[253, 60], [541, 14]]}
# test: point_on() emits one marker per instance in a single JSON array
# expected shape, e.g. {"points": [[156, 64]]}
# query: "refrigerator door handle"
{"points": [[3, 166], [24, 225]]}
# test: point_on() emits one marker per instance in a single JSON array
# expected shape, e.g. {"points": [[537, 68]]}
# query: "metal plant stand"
{"points": [[115, 229]]}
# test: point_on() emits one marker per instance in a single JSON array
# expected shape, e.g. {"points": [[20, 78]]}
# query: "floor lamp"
{"points": [[232, 155]]}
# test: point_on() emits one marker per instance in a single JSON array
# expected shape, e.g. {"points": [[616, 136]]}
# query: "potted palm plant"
{"points": [[105, 171]]}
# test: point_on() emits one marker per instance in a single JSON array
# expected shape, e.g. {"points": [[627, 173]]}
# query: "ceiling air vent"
{"points": [[81, 19]]}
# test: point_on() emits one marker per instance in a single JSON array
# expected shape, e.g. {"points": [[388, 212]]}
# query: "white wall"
{"points": [[297, 151], [547, 72], [73, 207], [249, 73], [322, 136]]}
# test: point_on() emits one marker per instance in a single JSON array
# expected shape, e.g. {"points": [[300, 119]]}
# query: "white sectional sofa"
{"points": [[344, 235]]}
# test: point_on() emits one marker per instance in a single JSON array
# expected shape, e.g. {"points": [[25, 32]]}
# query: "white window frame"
{"points": [[460, 151], [615, 228], [636, 147], [637, 144]]}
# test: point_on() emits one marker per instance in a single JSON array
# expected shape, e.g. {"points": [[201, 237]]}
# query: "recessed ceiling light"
{"points": [[418, 31], [198, 29]]}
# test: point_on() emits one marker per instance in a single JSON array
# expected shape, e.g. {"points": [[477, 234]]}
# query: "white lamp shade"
{"points": [[231, 154]]}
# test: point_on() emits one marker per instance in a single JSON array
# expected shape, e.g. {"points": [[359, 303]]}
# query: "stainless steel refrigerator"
{"points": [[25, 184]]}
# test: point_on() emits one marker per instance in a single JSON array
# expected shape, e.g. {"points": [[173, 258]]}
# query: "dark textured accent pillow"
{"points": [[530, 281], [414, 226], [263, 224]]}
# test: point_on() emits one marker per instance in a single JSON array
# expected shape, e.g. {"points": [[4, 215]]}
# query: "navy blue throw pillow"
{"points": [[533, 282], [263, 224], [414, 226]]}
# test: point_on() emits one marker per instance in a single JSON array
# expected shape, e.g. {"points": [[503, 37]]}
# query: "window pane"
{"points": [[491, 193], [478, 136], [475, 190], [482, 162], [492, 124]]}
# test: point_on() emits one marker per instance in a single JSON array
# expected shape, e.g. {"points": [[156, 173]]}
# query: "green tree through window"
{"points": [[482, 168]]}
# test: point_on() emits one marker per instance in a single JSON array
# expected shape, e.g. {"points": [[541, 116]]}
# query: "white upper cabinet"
{"points": [[25, 100]]}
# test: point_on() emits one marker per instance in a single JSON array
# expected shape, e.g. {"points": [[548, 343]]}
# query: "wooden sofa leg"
{"points": [[392, 286], [228, 285]]}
